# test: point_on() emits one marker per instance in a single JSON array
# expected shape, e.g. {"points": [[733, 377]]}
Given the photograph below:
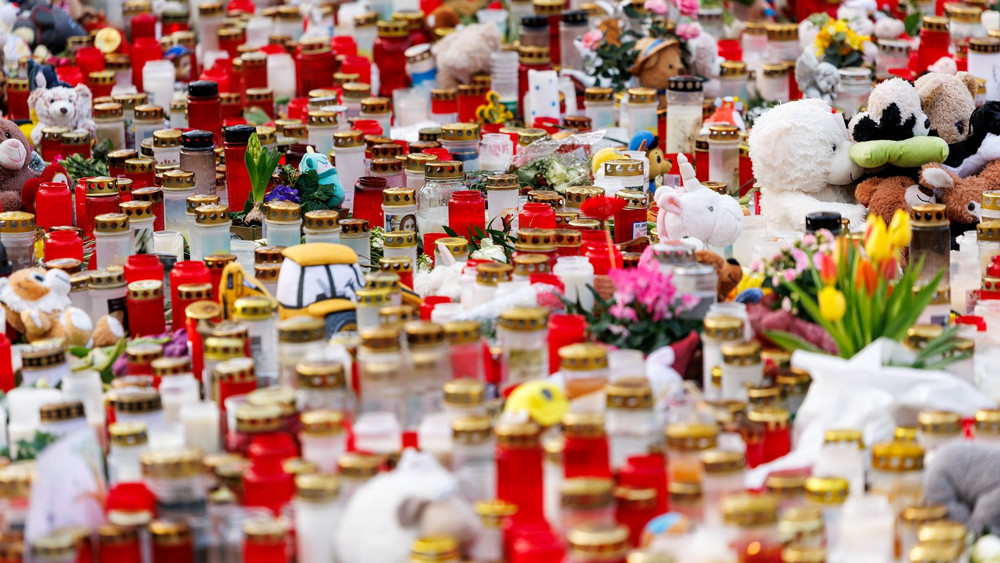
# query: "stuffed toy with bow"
{"points": [[696, 211], [328, 177]]}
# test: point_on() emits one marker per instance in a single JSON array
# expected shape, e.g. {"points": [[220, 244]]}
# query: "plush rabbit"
{"points": [[696, 211]]}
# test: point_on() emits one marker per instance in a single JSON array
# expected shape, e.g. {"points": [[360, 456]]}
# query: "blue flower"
{"points": [[282, 193]]}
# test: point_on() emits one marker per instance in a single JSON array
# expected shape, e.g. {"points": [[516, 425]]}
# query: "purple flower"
{"points": [[282, 192]]}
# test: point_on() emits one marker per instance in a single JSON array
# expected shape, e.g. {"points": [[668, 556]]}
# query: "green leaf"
{"points": [[912, 23]]}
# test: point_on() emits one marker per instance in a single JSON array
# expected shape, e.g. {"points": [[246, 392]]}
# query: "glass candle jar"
{"points": [[733, 79], [17, 91], [772, 82], [751, 521], [237, 177], [724, 155], [530, 58], [467, 213], [722, 475], [316, 505], [852, 93], [145, 308], [17, 233], [166, 147], [109, 125], [629, 419], [444, 105], [391, 169], [913, 518], [178, 114], [741, 368], [585, 444], [931, 240], [598, 543], [379, 109], [399, 207], [502, 201], [197, 155], [892, 54], [442, 179], [462, 142], [472, 460], [937, 428], [685, 442], [129, 442], [52, 143], [355, 234], [146, 119], [599, 106], [283, 223], [369, 302], [205, 106], [322, 384], [627, 172], [382, 372], [171, 541], [782, 42], [299, 339], [469, 98], [640, 113], [322, 226], [698, 281], [349, 147], [522, 334], [935, 41], [175, 477], [987, 426], [520, 476], [178, 185], [586, 501], [258, 314], [457, 247], [577, 275], [719, 329], [210, 234], [321, 126], [964, 23], [153, 196], [571, 28], [684, 95], [113, 240], [897, 473]]}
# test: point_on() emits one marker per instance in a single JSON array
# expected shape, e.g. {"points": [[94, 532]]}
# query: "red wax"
{"points": [[17, 101], [522, 78], [98, 205], [185, 271], [63, 243], [53, 205], [933, 45], [354, 64], [586, 456], [237, 176], [205, 110], [143, 267], [344, 45], [467, 213], [564, 330], [99, 89], [144, 49], [646, 472], [368, 199], [537, 546], [89, 60], [428, 304], [602, 256], [555, 54], [153, 195], [254, 71], [142, 179], [269, 551], [314, 69], [635, 517], [777, 442], [519, 480], [51, 148], [444, 106], [230, 386], [147, 315], [6, 366], [173, 552], [387, 53], [535, 215], [265, 483], [468, 104], [120, 552], [630, 223]]}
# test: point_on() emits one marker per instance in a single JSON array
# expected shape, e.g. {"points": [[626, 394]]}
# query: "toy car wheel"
{"points": [[341, 321]]}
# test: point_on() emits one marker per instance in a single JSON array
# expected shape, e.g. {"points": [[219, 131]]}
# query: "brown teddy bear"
{"points": [[948, 100], [657, 61], [729, 271], [962, 197], [38, 306], [15, 156]]}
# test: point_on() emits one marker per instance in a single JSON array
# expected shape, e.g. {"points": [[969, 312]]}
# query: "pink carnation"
{"points": [[658, 7], [592, 39], [687, 8], [688, 31]]}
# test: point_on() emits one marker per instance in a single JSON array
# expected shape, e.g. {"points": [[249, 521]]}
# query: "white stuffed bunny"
{"points": [[696, 211]]}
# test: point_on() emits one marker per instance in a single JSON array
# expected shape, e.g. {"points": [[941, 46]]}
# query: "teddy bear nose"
{"points": [[64, 110]]}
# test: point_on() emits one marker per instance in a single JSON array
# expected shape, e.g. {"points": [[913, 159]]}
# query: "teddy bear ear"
{"points": [[929, 87], [668, 200], [969, 81]]}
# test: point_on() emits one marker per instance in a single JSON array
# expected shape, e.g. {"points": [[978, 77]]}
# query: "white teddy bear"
{"points": [[799, 152], [61, 106]]}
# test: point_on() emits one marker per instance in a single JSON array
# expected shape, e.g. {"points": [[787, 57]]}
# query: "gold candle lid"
{"points": [[747, 510], [898, 456], [111, 223]]}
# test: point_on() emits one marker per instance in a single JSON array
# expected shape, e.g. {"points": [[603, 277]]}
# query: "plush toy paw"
{"points": [[108, 331], [936, 178]]}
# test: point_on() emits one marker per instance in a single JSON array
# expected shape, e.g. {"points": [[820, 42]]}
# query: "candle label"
{"points": [[142, 241], [401, 222], [117, 307], [523, 365], [640, 229]]}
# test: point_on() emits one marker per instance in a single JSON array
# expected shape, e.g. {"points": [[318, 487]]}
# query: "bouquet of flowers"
{"points": [[836, 43], [644, 313], [556, 164], [854, 289]]}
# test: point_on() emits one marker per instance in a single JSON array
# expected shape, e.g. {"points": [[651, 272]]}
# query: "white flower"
{"points": [[489, 251], [986, 550]]}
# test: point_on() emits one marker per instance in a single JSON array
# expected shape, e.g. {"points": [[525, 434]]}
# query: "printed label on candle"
{"points": [[525, 364], [143, 241], [639, 229], [118, 308], [404, 222]]}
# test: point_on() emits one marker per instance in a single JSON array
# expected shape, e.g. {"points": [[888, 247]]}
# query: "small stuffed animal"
{"points": [[657, 61], [68, 107], [696, 211], [15, 169], [801, 160], [894, 114], [963, 197], [465, 52], [948, 101], [328, 176], [387, 514], [729, 271], [42, 76], [816, 79], [962, 476], [38, 306], [658, 164], [981, 146], [542, 400]]}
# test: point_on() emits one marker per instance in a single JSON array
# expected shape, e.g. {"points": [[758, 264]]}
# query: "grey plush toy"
{"points": [[963, 477]]}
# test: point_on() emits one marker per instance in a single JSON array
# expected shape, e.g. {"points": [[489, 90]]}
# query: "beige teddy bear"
{"points": [[38, 306], [61, 106]]}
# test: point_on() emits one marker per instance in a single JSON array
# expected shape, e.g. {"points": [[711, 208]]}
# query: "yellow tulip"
{"points": [[832, 304], [877, 243], [899, 229]]}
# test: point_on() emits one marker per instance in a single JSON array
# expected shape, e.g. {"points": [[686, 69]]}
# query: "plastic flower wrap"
{"points": [[556, 164]]}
